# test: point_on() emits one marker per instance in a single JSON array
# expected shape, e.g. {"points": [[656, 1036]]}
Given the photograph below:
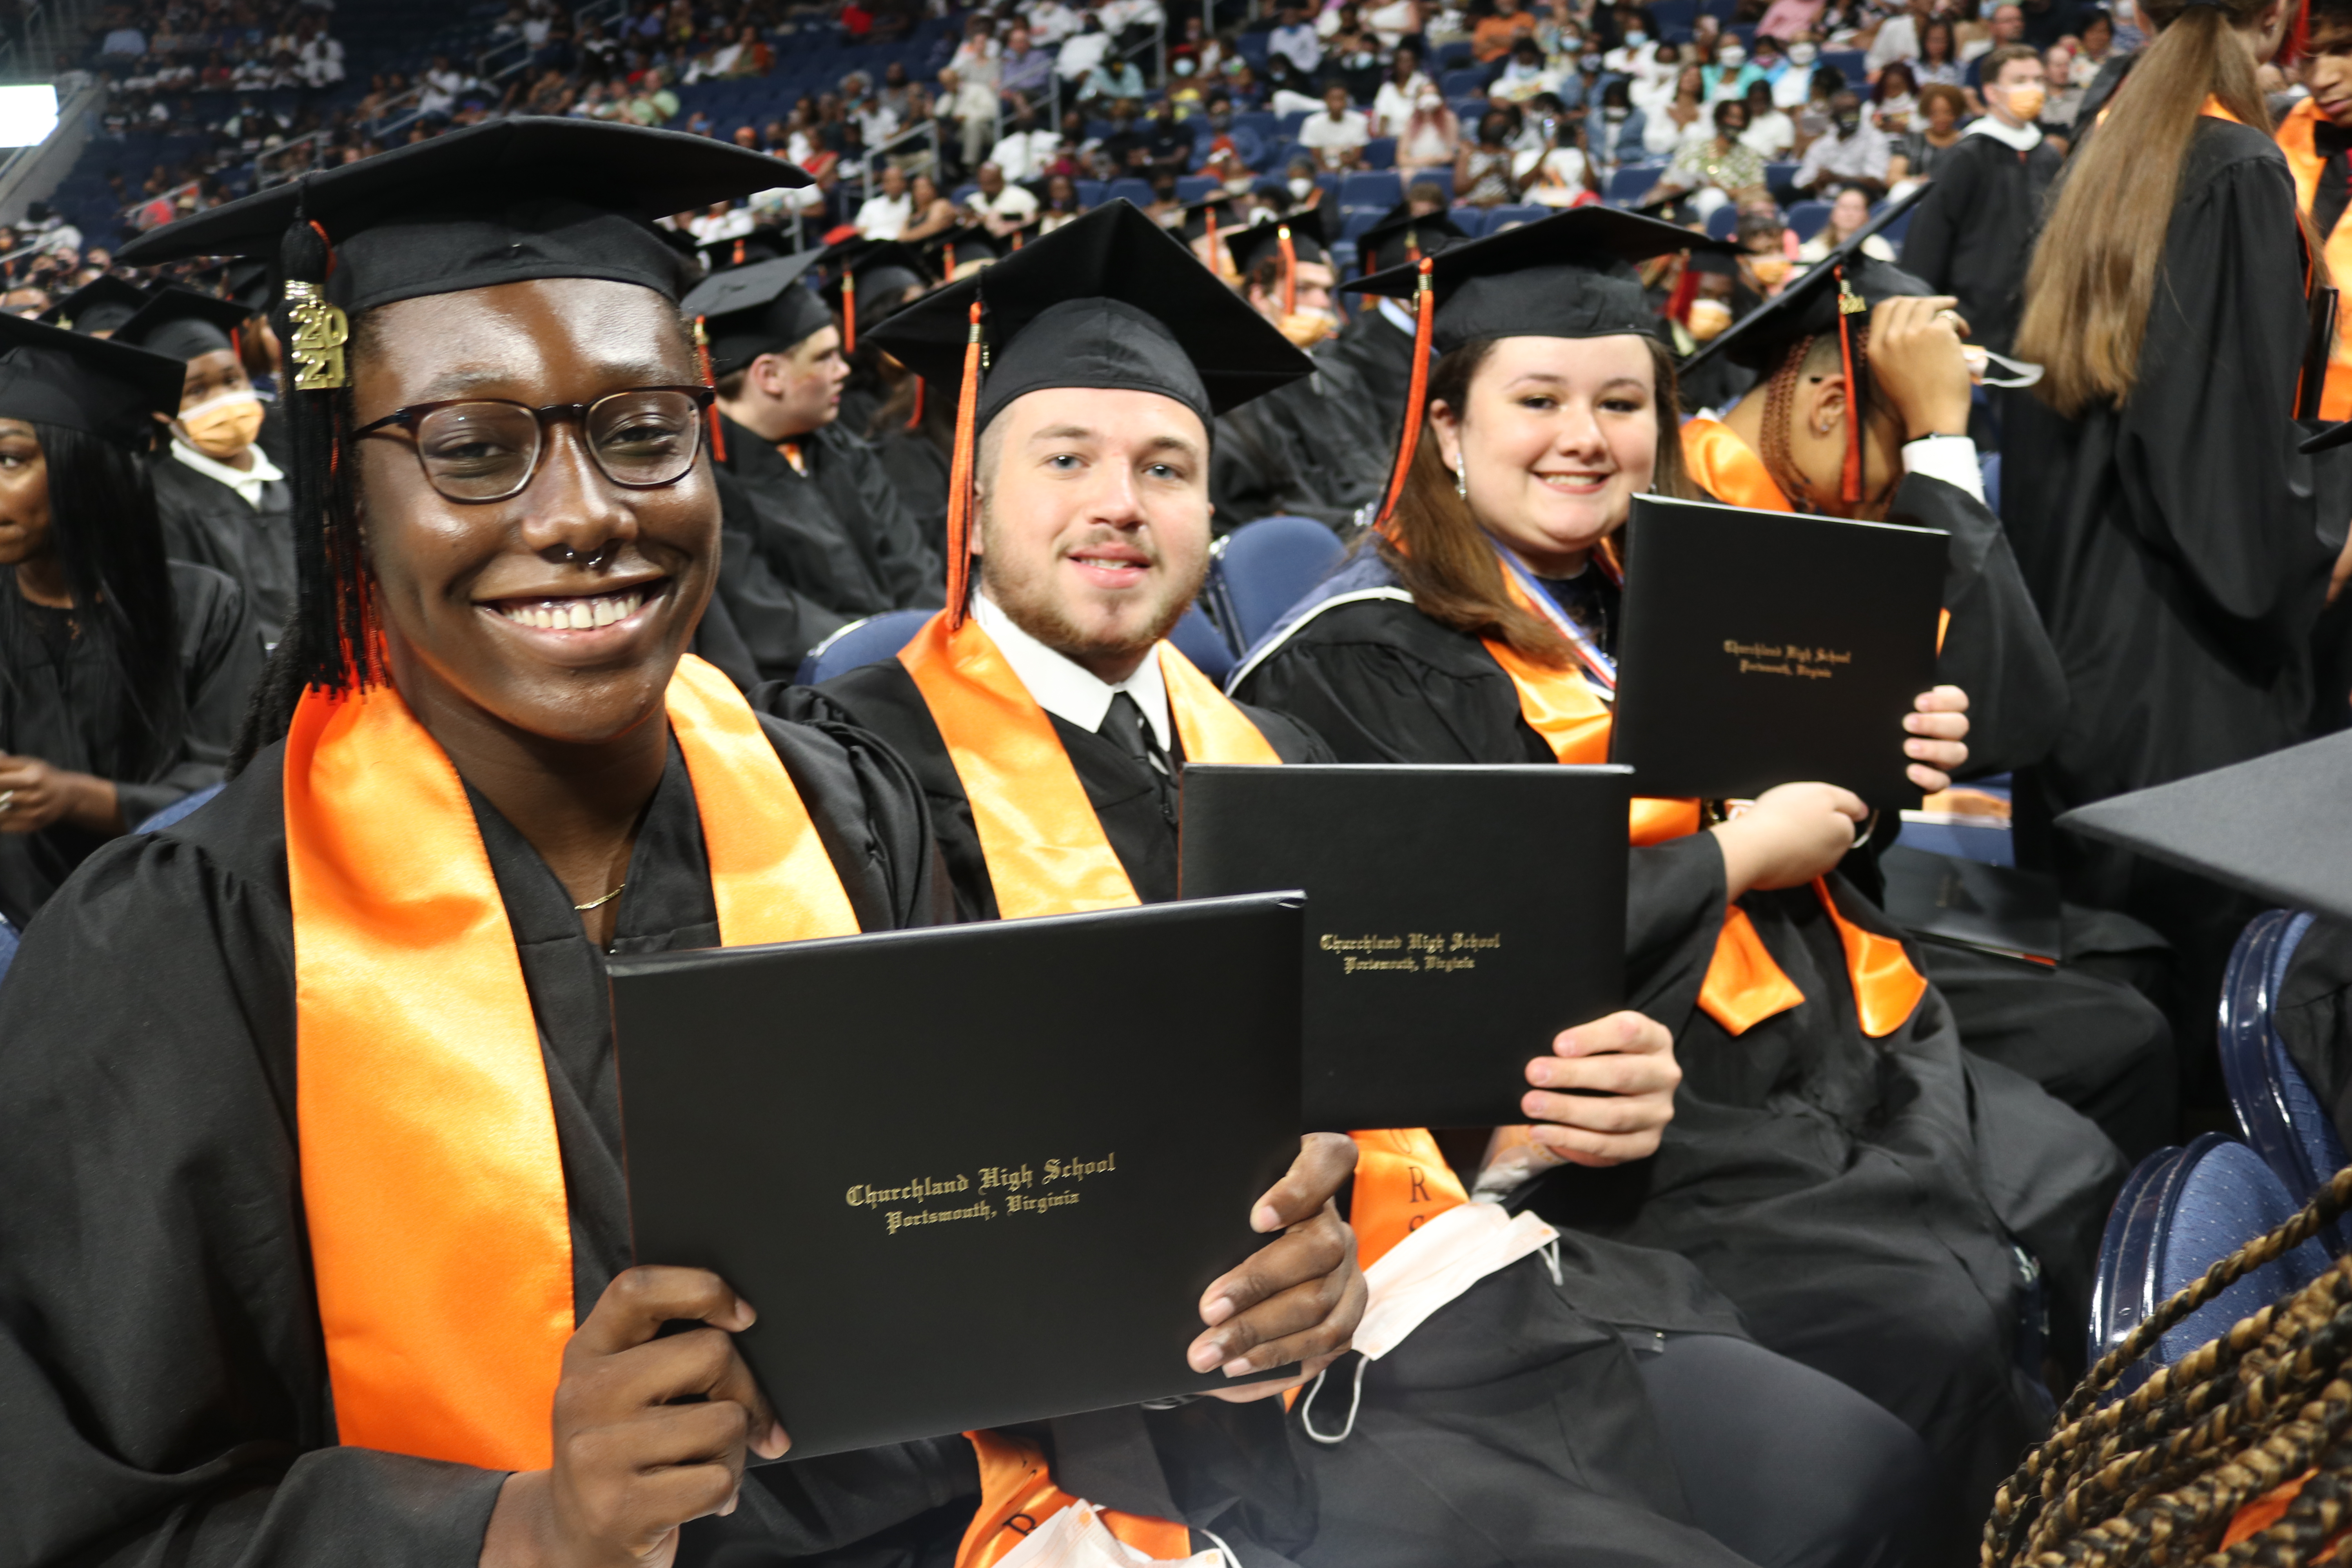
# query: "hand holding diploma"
{"points": [[1296, 1299], [650, 1432]]}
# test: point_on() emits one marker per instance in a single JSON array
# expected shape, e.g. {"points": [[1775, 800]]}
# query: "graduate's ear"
{"points": [[1445, 424], [1820, 407]]}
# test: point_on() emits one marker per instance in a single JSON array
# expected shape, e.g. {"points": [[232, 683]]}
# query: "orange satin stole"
{"points": [[431, 1179], [1045, 850], [1402, 1181], [1726, 467], [2304, 162], [1017, 1494], [1744, 985]]}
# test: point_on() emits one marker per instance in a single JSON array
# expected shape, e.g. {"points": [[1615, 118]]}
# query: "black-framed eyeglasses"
{"points": [[488, 448]]}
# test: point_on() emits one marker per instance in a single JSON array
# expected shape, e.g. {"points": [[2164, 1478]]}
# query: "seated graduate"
{"points": [[123, 675], [1790, 444], [866, 282], [1378, 347], [317, 1245], [1049, 725], [99, 308], [1312, 447], [224, 503], [829, 521], [1837, 1167]]}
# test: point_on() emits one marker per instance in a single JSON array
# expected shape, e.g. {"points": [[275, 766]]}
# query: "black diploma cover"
{"points": [[1767, 647], [971, 1175], [1457, 919]]}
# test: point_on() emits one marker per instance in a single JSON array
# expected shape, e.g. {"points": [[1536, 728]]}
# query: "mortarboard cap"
{"points": [[743, 249], [1110, 299], [763, 309], [2272, 826], [1567, 276], [883, 268], [1221, 209], [499, 203], [1255, 242], [956, 252], [252, 284], [103, 305], [98, 386], [1400, 238], [182, 323], [1807, 306]]}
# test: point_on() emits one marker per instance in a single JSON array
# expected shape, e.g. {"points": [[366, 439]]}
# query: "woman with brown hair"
{"points": [[1835, 1134], [2177, 543]]}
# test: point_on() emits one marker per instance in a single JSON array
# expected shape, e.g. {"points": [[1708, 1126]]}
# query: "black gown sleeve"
{"points": [[868, 808], [220, 658], [2206, 444], [778, 619], [1373, 698], [1927, 247], [1995, 648], [909, 566], [160, 1363]]}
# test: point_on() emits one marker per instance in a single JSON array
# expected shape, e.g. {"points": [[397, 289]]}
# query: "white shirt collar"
{"points": [[245, 482], [2025, 138], [1069, 691]]}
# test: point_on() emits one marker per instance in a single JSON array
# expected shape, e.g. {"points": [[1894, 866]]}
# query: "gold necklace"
{"points": [[600, 903]]}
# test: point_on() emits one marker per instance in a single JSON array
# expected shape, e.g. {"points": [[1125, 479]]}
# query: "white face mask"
{"points": [[1731, 57], [1635, 38], [1298, 188], [1802, 54]]}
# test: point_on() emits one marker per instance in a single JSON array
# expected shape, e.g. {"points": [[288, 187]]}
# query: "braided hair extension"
{"points": [[2158, 1476]]}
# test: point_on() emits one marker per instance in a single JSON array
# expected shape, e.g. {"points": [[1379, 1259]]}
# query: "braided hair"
{"points": [[2158, 1476]]}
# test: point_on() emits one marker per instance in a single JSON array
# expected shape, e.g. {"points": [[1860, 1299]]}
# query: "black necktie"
{"points": [[1124, 725], [2335, 192]]}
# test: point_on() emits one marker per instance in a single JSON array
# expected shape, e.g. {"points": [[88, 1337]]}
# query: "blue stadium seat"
{"points": [[1376, 188], [1894, 232], [1471, 221], [1806, 219], [184, 806], [1196, 187], [1988, 466], [1359, 222], [963, 193], [2277, 1110], [1674, 17], [1468, 82], [1850, 61], [7, 946], [1379, 152], [1090, 192], [1723, 222], [1631, 182], [1512, 213], [1442, 178], [859, 644], [1197, 639], [1131, 189], [1261, 568], [1254, 47], [1777, 176], [1454, 54], [1260, 122], [1286, 126]]}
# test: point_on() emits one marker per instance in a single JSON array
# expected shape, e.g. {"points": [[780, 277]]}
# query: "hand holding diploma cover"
{"points": [[978, 1174], [1761, 647], [1457, 920]]}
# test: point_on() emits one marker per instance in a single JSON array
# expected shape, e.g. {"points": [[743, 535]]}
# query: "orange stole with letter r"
{"points": [[432, 1185]]}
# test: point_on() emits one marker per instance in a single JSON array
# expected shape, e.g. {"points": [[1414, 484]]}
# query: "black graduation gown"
{"points": [[2178, 546], [1376, 354], [1973, 233], [1307, 449], [209, 523], [918, 470], [160, 1352], [68, 711], [839, 534], [1856, 1199], [1513, 1427], [767, 586]]}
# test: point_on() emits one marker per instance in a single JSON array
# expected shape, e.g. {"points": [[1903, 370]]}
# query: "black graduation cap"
{"points": [[97, 385], [1223, 208], [103, 305], [182, 323], [764, 244], [762, 308], [1400, 238], [1253, 243], [881, 267], [497, 203], [2273, 827], [1807, 306], [956, 250], [1567, 276], [252, 284], [1109, 300]]}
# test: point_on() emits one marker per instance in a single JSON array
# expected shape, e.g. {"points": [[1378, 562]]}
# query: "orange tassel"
{"points": [[1850, 480], [959, 478], [916, 416], [849, 312], [702, 357], [1424, 311], [1209, 218], [739, 253], [1290, 271]]}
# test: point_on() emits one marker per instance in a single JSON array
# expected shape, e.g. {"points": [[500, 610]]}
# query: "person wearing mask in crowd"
{"points": [[1920, 151], [1027, 149], [1722, 162], [1898, 37], [1398, 98], [1431, 138], [1728, 76], [1524, 74], [1682, 118], [1376, 346], [1597, 1447], [1561, 176], [2005, 24], [2176, 539], [1295, 38], [389, 896], [1496, 32], [1481, 169], [123, 675], [822, 514], [1658, 86], [224, 503], [1895, 100], [1770, 131], [1455, 631], [1973, 231], [1336, 138], [1793, 81], [1848, 211], [1612, 135], [1853, 152], [1635, 51]]}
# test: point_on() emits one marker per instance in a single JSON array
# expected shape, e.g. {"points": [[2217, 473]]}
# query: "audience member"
{"points": [[1854, 152]]}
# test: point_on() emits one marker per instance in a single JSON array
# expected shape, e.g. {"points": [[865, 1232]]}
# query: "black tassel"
{"points": [[333, 645]]}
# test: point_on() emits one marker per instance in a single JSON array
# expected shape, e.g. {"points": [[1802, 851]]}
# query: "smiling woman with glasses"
{"points": [[317, 1246]]}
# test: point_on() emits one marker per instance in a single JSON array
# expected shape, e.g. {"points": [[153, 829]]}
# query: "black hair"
{"points": [[109, 544]]}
